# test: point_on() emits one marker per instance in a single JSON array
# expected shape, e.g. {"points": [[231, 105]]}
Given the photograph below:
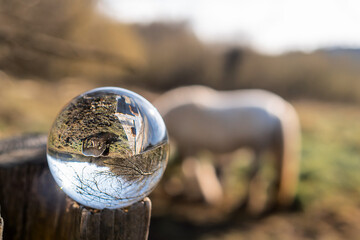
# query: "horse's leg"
{"points": [[201, 181], [222, 162], [287, 152], [209, 183], [253, 200], [191, 185]]}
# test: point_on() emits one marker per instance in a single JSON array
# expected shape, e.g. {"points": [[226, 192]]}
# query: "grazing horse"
{"points": [[200, 118]]}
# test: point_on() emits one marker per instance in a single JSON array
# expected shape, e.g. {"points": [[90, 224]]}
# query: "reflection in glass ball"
{"points": [[108, 148]]}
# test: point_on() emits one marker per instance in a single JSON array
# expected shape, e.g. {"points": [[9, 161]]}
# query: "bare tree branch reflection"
{"points": [[109, 180]]}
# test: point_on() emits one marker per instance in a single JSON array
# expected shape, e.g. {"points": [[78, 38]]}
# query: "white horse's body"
{"points": [[198, 118]]}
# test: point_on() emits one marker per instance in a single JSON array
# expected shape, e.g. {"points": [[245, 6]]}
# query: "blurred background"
{"points": [[308, 52]]}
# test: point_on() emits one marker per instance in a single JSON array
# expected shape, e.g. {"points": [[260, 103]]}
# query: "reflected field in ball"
{"points": [[108, 148]]}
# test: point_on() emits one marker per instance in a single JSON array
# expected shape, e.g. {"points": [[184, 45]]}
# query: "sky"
{"points": [[272, 27]]}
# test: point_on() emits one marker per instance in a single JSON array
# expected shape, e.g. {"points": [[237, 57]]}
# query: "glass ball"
{"points": [[108, 148]]}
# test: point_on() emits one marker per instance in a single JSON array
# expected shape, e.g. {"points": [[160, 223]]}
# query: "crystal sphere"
{"points": [[108, 148]]}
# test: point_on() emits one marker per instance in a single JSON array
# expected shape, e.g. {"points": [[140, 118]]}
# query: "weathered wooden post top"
{"points": [[107, 150]]}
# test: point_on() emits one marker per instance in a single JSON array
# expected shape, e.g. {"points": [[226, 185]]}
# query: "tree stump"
{"points": [[33, 207]]}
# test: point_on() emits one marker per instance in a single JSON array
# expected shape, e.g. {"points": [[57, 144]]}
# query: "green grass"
{"points": [[331, 152]]}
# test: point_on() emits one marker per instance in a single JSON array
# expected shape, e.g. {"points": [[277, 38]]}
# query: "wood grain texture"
{"points": [[34, 208]]}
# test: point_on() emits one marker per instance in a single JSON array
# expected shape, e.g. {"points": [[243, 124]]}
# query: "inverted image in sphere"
{"points": [[108, 148]]}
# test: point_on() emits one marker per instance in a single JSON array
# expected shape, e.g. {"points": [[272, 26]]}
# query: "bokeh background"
{"points": [[307, 52]]}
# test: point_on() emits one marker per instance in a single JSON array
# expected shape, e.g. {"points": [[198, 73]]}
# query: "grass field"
{"points": [[329, 189]]}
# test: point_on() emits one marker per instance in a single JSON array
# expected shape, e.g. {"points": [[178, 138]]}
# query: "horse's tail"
{"points": [[290, 152]]}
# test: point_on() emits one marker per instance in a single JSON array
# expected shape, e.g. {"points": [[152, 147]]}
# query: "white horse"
{"points": [[199, 117]]}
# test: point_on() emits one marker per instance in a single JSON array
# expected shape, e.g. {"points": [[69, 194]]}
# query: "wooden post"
{"points": [[34, 208]]}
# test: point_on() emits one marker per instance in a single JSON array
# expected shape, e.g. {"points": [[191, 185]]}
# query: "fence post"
{"points": [[34, 208]]}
